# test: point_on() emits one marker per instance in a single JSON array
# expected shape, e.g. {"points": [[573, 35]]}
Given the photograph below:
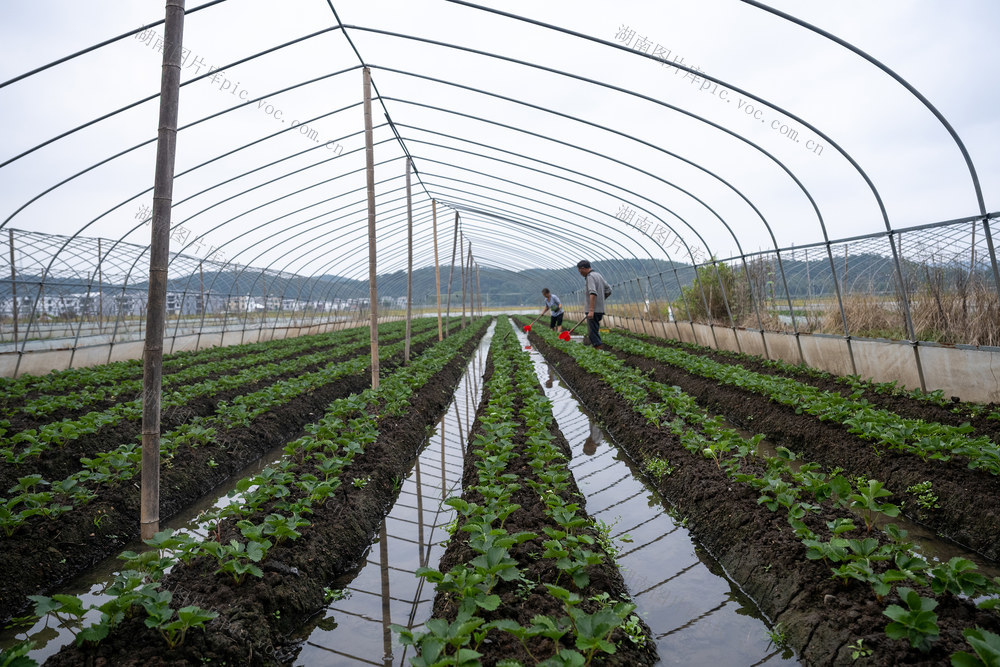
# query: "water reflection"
{"points": [[385, 589], [594, 438], [383, 552], [697, 615]]}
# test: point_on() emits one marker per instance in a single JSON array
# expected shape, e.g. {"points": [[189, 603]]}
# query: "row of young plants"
{"points": [[821, 509], [84, 394], [257, 531], [63, 547], [116, 372], [513, 564], [928, 440], [36, 497], [33, 442], [855, 383], [948, 497]]}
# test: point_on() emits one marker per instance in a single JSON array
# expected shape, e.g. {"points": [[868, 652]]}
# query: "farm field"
{"points": [[527, 575], [281, 376], [801, 517], [680, 591], [816, 540], [70, 472], [305, 518]]}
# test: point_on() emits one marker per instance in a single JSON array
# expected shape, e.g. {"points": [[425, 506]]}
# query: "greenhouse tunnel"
{"points": [[814, 185], [776, 217]]}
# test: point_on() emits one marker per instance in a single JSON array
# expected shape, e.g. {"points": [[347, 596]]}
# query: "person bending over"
{"points": [[553, 306]]}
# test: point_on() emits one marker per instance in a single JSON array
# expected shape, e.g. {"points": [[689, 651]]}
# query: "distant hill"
{"points": [[867, 273]]}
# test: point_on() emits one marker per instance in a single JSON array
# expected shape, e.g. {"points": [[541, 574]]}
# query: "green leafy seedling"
{"points": [[161, 617], [917, 623], [984, 643], [959, 577], [866, 502], [17, 655]]}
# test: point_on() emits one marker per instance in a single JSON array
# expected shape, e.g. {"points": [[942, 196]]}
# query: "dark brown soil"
{"points": [[759, 551], [20, 421], [45, 554], [969, 500], [172, 363], [521, 605], [904, 406], [57, 463], [257, 615]]}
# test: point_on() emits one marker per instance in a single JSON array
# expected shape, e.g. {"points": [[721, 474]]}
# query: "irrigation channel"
{"points": [[696, 613]]}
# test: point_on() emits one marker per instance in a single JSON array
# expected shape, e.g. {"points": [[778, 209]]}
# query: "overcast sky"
{"points": [[545, 166]]}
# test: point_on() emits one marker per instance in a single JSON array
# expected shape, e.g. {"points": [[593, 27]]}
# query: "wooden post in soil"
{"points": [[451, 273], [479, 291], [437, 264], [159, 252], [370, 170], [461, 259], [13, 284], [100, 290], [409, 264], [468, 263]]}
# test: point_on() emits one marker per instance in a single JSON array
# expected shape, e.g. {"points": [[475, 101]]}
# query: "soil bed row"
{"points": [[40, 557], [20, 420], [820, 617], [257, 615], [58, 462], [968, 500], [524, 599], [956, 414]]}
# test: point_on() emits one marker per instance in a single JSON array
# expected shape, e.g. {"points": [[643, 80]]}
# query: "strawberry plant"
{"points": [[237, 559], [986, 646], [160, 616], [959, 577], [17, 655], [916, 623], [866, 501]]}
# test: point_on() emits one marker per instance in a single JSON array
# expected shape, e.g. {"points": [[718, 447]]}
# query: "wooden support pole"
{"points": [[370, 170], [13, 283], [100, 289], [479, 291], [437, 264], [409, 264], [451, 273], [461, 260], [159, 254], [468, 263]]}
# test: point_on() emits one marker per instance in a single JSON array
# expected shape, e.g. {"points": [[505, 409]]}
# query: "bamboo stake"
{"points": [[100, 290], [370, 169], [409, 264], [159, 251], [451, 273], [13, 283], [437, 264], [479, 291], [462, 260], [468, 264]]}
